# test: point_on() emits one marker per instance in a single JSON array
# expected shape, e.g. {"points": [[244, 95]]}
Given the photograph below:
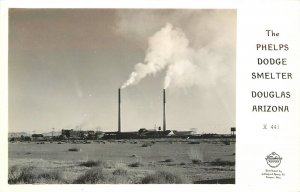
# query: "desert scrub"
{"points": [[92, 176], [50, 177], [168, 160], [120, 171], [146, 145], [226, 142], [30, 175], [194, 142], [196, 156], [164, 177], [97, 163], [219, 162], [74, 149], [123, 176], [135, 164], [18, 174]]}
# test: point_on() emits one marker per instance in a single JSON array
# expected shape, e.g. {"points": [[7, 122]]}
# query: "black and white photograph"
{"points": [[121, 96]]}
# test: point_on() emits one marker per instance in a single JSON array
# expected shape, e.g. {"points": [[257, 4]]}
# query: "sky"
{"points": [[66, 65]]}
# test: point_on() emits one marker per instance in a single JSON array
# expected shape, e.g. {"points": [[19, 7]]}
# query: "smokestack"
{"points": [[164, 109], [119, 110]]}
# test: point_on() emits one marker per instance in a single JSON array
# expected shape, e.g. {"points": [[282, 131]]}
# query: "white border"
{"points": [[155, 4], [244, 167]]}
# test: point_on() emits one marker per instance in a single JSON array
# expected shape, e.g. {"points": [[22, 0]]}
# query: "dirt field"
{"points": [[125, 161]]}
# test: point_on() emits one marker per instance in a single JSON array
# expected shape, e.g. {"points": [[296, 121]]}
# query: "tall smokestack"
{"points": [[119, 110], [164, 109]]}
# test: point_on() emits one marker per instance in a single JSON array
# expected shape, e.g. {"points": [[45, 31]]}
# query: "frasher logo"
{"points": [[273, 160]]}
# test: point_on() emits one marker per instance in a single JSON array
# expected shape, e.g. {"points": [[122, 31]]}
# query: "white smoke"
{"points": [[202, 55], [169, 49], [165, 47], [201, 60]]}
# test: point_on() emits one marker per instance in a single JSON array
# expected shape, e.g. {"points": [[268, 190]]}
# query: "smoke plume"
{"points": [[165, 47], [201, 55], [169, 49]]}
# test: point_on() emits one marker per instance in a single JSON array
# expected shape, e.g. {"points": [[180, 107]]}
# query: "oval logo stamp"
{"points": [[273, 160]]}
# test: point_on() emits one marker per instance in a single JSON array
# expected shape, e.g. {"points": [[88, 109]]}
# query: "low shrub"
{"points": [[30, 175], [74, 149], [146, 145], [194, 142], [135, 164], [17, 174], [196, 161], [92, 176], [120, 171], [92, 163], [219, 162], [51, 176], [226, 142], [163, 177], [169, 160]]}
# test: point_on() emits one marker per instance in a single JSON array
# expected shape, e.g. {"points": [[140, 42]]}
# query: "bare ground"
{"points": [[209, 160]]}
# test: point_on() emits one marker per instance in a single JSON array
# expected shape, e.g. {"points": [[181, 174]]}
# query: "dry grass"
{"points": [[92, 176], [29, 175], [98, 175], [18, 174], [196, 156], [120, 163], [123, 175], [120, 171], [163, 177]]}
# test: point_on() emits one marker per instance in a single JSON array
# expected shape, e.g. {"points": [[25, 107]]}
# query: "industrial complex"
{"points": [[142, 133]]}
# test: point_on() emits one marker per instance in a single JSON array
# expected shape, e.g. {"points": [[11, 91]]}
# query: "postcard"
{"points": [[146, 95]]}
